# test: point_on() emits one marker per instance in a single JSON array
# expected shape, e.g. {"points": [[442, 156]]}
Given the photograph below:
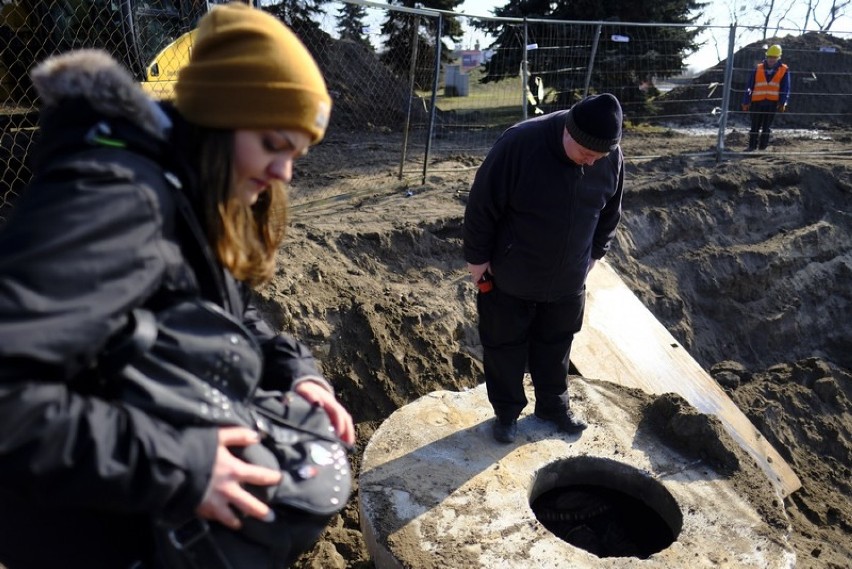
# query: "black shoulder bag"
{"points": [[195, 364]]}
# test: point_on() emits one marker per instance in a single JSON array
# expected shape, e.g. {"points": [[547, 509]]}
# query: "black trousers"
{"points": [[519, 334], [762, 115]]}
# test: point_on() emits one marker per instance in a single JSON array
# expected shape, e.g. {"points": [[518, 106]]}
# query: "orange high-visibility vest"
{"points": [[767, 90]]}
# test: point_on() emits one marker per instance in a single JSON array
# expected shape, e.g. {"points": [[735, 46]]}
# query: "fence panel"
{"points": [[655, 91], [372, 86], [820, 80], [382, 99], [135, 32], [546, 65]]}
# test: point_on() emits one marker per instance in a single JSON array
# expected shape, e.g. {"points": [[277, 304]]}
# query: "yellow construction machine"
{"points": [[152, 38]]}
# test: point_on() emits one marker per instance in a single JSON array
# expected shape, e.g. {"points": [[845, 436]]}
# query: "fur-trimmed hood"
{"points": [[108, 87]]}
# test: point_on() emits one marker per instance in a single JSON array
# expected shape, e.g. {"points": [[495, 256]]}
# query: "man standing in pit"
{"points": [[768, 91]]}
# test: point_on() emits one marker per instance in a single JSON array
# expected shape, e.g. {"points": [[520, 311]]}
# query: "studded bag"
{"points": [[195, 364]]}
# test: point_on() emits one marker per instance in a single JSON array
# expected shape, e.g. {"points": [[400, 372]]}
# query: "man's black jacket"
{"points": [[538, 217]]}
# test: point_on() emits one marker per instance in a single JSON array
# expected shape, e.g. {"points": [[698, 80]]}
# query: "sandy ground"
{"points": [[747, 262]]}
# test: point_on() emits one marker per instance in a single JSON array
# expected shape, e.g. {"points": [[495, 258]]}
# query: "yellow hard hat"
{"points": [[774, 51]]}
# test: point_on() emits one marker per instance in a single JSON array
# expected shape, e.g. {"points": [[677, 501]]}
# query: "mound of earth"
{"points": [[815, 84], [367, 95], [747, 263]]}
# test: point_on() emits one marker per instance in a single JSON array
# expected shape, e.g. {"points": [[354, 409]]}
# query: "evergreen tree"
{"points": [[350, 24], [298, 14], [399, 29], [563, 51]]}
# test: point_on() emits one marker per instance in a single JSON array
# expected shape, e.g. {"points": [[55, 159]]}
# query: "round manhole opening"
{"points": [[605, 507]]}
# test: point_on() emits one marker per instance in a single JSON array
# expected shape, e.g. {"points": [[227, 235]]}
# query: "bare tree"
{"points": [[785, 13], [837, 9], [765, 9], [745, 12], [809, 12], [740, 12]]}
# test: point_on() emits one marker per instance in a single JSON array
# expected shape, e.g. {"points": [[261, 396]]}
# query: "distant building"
{"points": [[471, 58]]}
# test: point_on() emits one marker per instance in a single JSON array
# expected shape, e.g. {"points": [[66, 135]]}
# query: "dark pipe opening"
{"points": [[605, 507]]}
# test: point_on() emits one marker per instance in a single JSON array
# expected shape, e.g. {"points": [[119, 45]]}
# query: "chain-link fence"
{"points": [[538, 66], [135, 32], [397, 109]]}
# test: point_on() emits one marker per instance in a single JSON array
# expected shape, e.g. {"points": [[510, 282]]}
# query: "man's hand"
{"points": [[745, 107], [591, 266], [782, 108], [225, 494], [476, 271]]}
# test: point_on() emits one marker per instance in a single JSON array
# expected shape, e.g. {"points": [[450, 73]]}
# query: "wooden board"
{"points": [[623, 342]]}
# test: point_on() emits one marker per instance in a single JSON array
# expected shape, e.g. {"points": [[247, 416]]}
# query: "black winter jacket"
{"points": [[538, 217], [102, 229]]}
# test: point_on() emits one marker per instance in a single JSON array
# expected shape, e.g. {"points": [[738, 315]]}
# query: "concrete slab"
{"points": [[623, 342], [437, 492]]}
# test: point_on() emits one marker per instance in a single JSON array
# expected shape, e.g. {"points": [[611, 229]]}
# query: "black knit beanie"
{"points": [[595, 123]]}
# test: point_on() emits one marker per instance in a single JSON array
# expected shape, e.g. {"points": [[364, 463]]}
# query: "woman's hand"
{"points": [[225, 492], [317, 394]]}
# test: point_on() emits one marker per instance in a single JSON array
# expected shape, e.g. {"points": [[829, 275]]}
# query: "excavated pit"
{"points": [[744, 262]]}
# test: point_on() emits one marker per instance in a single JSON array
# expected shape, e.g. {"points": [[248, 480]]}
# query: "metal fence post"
{"points": [[435, 81], [726, 93], [525, 74], [591, 65], [414, 43]]}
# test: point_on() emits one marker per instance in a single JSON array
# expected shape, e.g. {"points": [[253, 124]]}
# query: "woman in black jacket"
{"points": [[140, 205]]}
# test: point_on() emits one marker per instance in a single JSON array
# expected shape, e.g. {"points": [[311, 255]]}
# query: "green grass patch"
{"points": [[481, 96]]}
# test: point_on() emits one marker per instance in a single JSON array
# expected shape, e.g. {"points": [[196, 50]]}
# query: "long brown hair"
{"points": [[245, 238]]}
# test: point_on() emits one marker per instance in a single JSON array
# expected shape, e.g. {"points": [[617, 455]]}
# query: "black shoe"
{"points": [[504, 432], [565, 421]]}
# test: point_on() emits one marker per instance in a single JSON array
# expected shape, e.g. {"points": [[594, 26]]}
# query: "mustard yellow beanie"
{"points": [[248, 70]]}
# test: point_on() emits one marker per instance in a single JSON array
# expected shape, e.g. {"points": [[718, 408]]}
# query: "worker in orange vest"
{"points": [[768, 91]]}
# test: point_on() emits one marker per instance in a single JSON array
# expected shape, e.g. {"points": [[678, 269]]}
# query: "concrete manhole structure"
{"points": [[435, 491]]}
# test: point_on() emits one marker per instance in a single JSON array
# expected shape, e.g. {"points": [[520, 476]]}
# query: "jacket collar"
{"points": [[94, 77], [89, 100]]}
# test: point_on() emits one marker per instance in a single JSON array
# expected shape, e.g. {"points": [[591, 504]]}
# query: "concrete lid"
{"points": [[436, 490]]}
